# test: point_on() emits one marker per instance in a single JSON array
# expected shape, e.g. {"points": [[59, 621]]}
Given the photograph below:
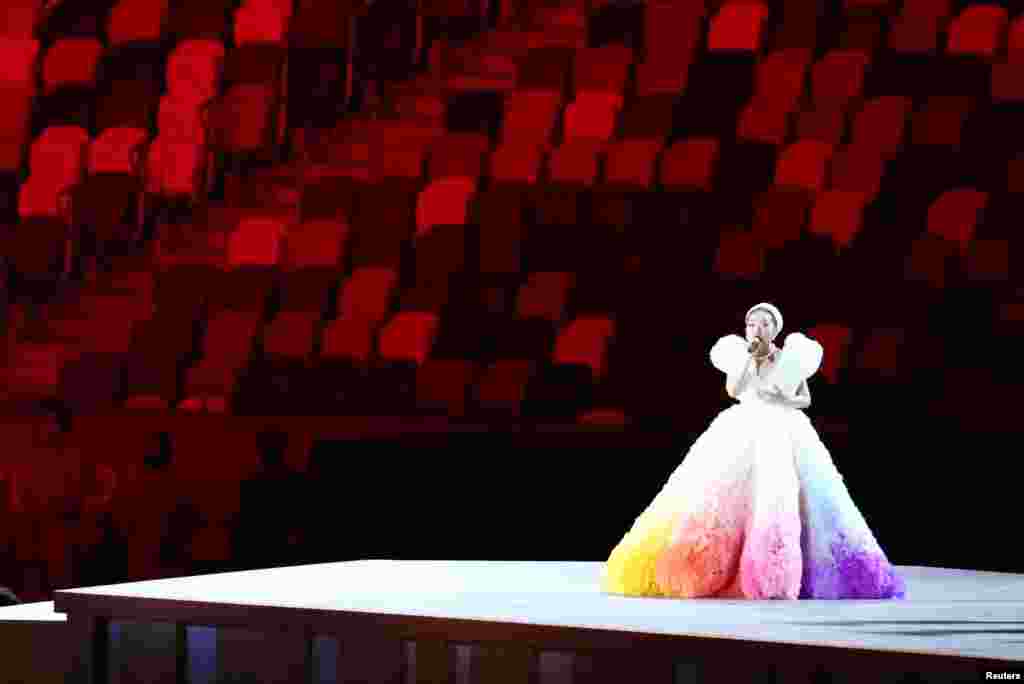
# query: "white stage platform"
{"points": [[538, 622], [34, 645]]}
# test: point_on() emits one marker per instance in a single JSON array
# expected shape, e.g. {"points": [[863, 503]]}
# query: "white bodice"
{"points": [[750, 392], [799, 359]]}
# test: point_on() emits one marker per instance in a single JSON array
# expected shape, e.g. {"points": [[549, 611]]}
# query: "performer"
{"points": [[8, 598], [757, 509]]}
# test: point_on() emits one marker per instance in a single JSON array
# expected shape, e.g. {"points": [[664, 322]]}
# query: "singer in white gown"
{"points": [[757, 508]]}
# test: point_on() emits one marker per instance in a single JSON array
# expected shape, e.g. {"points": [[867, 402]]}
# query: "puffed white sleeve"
{"points": [[729, 354], [800, 359]]}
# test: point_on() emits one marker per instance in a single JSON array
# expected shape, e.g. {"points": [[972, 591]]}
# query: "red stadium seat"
{"points": [[57, 156], [255, 63], [136, 21], [40, 198], [988, 261], [181, 120], [881, 352], [780, 215], [546, 68], [256, 241], [175, 168], [824, 124], [838, 214], [366, 295], [229, 336], [286, 8], [530, 117], [662, 77], [208, 20], [977, 31], [208, 388], [291, 334], [34, 369], [243, 118], [404, 155], [194, 70], [315, 243], [544, 295], [797, 26], [864, 32], [21, 18], [322, 25], [1015, 175], [585, 342], [880, 124], [71, 61], [781, 77], [954, 215], [444, 385], [804, 164], [592, 116], [1008, 75], [425, 107], [118, 150], [458, 154], [940, 121], [690, 164], [763, 121], [838, 78], [99, 324], [348, 339], [516, 162], [649, 117], [857, 168], [131, 104], [502, 386], [917, 28], [632, 162], [18, 55], [738, 26], [408, 336], [15, 117], [672, 33], [602, 69], [928, 261], [835, 341], [1008, 82], [312, 259], [261, 22], [443, 202], [575, 161]]}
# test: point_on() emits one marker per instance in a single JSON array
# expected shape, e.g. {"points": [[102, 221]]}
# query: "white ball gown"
{"points": [[756, 509]]}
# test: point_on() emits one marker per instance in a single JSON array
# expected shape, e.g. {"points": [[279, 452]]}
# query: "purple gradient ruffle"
{"points": [[850, 573]]}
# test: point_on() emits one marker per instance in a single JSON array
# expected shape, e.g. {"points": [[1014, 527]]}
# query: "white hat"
{"points": [[776, 314]]}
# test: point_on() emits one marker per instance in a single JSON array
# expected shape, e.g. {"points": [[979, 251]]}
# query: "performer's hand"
{"points": [[774, 394]]}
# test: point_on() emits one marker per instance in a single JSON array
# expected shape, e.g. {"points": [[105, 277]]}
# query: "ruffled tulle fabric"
{"points": [[756, 510]]}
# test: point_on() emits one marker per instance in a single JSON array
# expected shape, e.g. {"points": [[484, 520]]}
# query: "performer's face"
{"points": [[760, 324]]}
